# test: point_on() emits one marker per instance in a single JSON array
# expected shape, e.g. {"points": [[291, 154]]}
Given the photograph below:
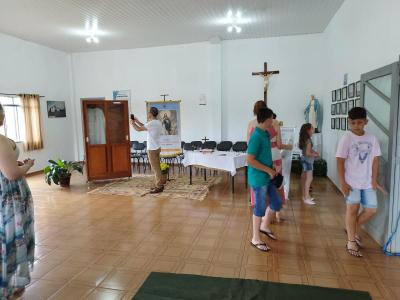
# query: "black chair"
{"points": [[145, 144], [197, 144], [209, 145], [240, 147], [188, 147], [224, 146], [138, 153]]}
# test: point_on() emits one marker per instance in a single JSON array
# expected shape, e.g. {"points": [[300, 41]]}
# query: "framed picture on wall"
{"points": [[337, 123], [350, 104], [56, 109], [351, 90], [333, 109], [332, 123], [344, 93], [358, 88], [338, 94], [343, 123], [337, 109], [343, 108], [333, 96], [357, 102]]}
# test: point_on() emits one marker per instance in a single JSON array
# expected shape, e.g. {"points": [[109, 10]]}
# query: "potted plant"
{"points": [[164, 172], [60, 171]]}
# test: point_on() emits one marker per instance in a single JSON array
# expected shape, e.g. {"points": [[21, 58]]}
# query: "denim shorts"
{"points": [[307, 166], [259, 194], [367, 198]]}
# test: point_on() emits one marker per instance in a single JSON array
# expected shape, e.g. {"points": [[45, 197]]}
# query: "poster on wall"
{"points": [[56, 109], [169, 114], [123, 95]]}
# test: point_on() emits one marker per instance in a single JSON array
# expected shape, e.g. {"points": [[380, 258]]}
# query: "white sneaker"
{"points": [[309, 201]]}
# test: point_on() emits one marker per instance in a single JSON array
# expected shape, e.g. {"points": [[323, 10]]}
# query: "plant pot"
{"points": [[65, 180], [164, 177]]}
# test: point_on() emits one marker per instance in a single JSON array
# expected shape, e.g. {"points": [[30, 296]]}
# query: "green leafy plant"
{"points": [[61, 169], [164, 168]]}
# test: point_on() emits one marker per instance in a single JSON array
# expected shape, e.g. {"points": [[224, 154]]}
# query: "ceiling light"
{"points": [[92, 31], [233, 21]]}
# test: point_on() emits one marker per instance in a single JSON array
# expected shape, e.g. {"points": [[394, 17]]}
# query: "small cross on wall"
{"points": [[205, 139]]}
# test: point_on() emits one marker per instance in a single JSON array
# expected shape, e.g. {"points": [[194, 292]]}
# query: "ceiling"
{"points": [[144, 23]]}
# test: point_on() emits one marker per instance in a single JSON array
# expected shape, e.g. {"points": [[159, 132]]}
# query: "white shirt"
{"points": [[359, 152], [154, 129]]}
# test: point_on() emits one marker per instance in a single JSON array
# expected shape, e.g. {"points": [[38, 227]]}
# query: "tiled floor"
{"points": [[103, 247]]}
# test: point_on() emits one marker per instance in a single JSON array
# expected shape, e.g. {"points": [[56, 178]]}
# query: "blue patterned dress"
{"points": [[17, 239]]}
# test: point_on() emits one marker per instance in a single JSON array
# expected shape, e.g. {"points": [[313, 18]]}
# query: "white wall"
{"points": [[30, 68], [362, 36], [184, 72], [300, 62]]}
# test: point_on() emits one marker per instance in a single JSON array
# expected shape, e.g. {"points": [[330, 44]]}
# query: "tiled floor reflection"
{"points": [[103, 247]]}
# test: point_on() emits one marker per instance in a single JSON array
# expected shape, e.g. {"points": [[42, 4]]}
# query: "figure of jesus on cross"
{"points": [[266, 75]]}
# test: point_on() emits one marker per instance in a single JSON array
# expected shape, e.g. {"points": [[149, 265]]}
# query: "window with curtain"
{"points": [[14, 123], [31, 109]]}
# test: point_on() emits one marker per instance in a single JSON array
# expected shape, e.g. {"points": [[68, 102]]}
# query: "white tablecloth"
{"points": [[226, 161]]}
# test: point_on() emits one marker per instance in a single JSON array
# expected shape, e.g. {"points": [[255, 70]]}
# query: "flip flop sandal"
{"points": [[354, 252], [269, 234], [358, 240], [260, 247]]}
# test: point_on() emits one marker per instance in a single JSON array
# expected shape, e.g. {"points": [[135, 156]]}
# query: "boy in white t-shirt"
{"points": [[154, 130], [357, 164]]}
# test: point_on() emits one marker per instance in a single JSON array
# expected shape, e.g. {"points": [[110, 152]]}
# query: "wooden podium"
{"points": [[106, 138]]}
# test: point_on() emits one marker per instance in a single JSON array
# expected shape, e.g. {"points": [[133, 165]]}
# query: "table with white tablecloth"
{"points": [[217, 160]]}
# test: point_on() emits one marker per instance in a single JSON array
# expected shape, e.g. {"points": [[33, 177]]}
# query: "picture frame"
{"points": [[343, 108], [56, 109], [351, 90], [338, 94], [333, 109], [357, 102], [337, 110], [344, 93], [333, 96], [358, 88], [337, 123], [343, 123], [332, 123], [350, 105]]}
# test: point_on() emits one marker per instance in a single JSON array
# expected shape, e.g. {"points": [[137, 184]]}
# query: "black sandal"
{"points": [[269, 234], [260, 247], [357, 239], [353, 252]]}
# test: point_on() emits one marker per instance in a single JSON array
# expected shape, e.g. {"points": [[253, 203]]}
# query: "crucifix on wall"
{"points": [[266, 75]]}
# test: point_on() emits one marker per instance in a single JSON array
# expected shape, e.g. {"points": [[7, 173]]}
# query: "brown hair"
{"points": [[258, 105], [304, 136]]}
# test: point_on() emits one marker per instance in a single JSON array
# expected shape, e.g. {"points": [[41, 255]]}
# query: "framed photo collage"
{"points": [[343, 100]]}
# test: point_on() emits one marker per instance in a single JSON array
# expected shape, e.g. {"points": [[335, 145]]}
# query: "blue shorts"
{"points": [[367, 198], [307, 166], [260, 199]]}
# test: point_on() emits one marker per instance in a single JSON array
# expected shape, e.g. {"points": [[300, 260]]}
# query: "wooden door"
{"points": [[118, 146], [95, 138]]}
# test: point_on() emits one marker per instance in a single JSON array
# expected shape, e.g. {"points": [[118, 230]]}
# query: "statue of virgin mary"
{"points": [[313, 114]]}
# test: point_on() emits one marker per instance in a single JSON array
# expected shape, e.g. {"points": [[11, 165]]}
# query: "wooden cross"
{"points": [[164, 95], [265, 74], [205, 139]]}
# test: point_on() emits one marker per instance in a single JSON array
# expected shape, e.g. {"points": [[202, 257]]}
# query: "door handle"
{"points": [[87, 139], [127, 137]]}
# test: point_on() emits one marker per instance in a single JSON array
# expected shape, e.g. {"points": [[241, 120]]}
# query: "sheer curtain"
{"points": [[31, 108]]}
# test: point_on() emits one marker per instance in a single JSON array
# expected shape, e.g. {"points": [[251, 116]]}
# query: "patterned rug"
{"points": [[177, 187]]}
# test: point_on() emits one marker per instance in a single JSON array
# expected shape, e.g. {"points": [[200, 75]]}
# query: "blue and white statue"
{"points": [[313, 114]]}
